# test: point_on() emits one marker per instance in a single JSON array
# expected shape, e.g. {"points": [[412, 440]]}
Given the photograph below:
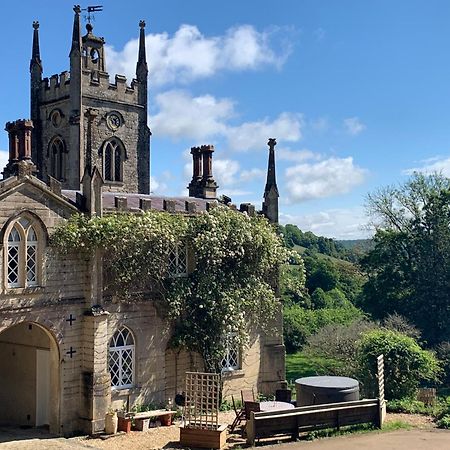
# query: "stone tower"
{"points": [[82, 120], [270, 204]]}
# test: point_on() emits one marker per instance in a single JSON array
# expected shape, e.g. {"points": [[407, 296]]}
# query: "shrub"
{"points": [[444, 421], [339, 342], [396, 322], [405, 363], [300, 323]]}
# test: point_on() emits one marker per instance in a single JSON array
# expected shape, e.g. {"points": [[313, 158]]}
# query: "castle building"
{"points": [[68, 353]]}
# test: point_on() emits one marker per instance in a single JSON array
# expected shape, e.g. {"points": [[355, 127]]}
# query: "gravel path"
{"points": [[423, 436]]}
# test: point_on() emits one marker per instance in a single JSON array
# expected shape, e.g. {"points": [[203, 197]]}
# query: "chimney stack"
{"points": [[19, 162], [202, 184]]}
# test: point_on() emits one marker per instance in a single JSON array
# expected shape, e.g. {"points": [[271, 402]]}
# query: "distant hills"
{"points": [[349, 250]]}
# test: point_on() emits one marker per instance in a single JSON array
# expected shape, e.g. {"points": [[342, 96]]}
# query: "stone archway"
{"points": [[29, 374]]}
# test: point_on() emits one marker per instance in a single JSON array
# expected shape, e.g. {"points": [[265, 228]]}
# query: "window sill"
{"points": [[23, 290], [114, 183], [237, 373], [122, 392]]}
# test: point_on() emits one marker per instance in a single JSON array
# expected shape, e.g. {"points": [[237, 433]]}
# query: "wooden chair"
{"points": [[240, 415], [247, 395], [249, 407]]}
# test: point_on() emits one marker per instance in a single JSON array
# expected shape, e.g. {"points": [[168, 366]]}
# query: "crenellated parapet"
{"points": [[55, 87], [100, 86]]}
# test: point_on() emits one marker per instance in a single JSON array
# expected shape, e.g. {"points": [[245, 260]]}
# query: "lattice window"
{"points": [[121, 359], [113, 157], [22, 255], [177, 260], [31, 268], [232, 358], [14, 241]]}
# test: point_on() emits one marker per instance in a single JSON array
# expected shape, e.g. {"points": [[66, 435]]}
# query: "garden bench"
{"points": [[142, 419], [315, 417]]}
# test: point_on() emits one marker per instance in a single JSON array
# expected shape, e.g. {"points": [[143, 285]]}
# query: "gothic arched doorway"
{"points": [[29, 374]]}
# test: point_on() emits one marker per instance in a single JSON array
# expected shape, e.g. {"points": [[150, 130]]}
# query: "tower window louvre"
{"points": [[113, 158]]}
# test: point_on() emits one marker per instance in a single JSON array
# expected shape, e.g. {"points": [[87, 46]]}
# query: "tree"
{"points": [[405, 363], [409, 268]]}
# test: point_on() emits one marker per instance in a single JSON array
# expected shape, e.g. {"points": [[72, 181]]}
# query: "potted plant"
{"points": [[111, 421]]}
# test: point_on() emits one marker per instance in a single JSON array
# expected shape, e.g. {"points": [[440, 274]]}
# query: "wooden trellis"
{"points": [[202, 400]]}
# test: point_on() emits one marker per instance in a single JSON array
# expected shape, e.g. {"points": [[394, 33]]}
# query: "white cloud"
{"points": [[189, 55], [158, 185], [348, 223], [183, 116], [252, 135], [285, 154], [432, 165], [180, 115], [354, 126], [252, 174], [4, 155], [326, 178], [225, 171]]}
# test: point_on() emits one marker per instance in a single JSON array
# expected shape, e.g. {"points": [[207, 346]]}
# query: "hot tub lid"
{"points": [[328, 382]]}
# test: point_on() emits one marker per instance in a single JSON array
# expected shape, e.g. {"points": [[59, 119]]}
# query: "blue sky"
{"points": [[356, 92]]}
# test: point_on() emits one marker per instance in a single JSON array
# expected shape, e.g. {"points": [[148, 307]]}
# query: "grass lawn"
{"points": [[300, 365]]}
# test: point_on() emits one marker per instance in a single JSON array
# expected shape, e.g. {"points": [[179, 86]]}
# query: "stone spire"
{"points": [[145, 133], [141, 66], [35, 88], [75, 49], [270, 204], [36, 54]]}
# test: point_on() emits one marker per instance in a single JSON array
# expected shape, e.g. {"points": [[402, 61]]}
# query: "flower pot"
{"points": [[111, 421], [166, 420], [124, 424]]}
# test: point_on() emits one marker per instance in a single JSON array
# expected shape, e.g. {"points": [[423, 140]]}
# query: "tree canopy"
{"points": [[409, 268]]}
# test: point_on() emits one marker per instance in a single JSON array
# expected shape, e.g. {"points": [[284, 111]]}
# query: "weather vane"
{"points": [[90, 10]]}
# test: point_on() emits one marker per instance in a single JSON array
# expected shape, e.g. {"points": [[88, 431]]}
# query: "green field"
{"points": [[300, 365]]}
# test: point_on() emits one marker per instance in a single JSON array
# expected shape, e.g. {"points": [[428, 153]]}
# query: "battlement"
{"points": [[55, 87], [97, 84]]}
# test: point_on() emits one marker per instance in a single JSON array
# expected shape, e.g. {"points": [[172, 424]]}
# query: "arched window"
{"points": [[121, 359], [113, 158], [57, 152], [22, 255]]}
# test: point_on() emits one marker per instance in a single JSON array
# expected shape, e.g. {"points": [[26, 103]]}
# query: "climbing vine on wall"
{"points": [[229, 290]]}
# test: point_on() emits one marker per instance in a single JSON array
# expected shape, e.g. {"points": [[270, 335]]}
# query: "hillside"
{"points": [[348, 250]]}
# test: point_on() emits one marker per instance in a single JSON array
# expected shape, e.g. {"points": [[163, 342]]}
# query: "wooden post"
{"points": [[381, 400]]}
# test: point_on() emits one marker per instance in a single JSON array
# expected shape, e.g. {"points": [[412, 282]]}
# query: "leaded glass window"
{"points": [[31, 257], [22, 254], [121, 359], [232, 357], [177, 260], [14, 241]]}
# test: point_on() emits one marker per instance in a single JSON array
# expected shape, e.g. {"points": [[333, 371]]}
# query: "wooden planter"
{"points": [[197, 437]]}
